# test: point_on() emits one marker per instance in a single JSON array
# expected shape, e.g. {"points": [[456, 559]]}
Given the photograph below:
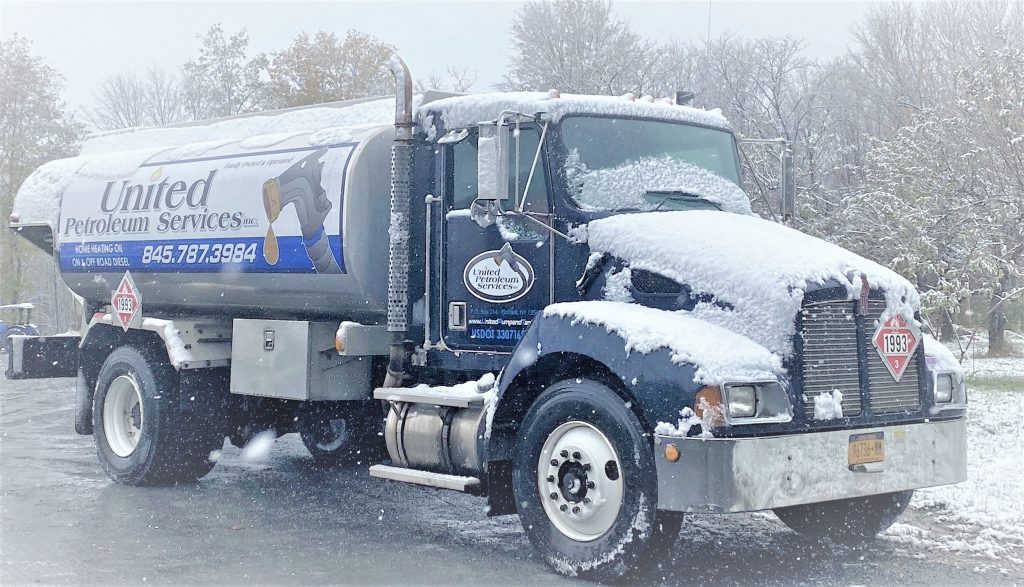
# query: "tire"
{"points": [[342, 432], [612, 532], [849, 521], [154, 442]]}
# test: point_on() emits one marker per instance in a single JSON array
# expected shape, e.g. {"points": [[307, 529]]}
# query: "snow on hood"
{"points": [[760, 268], [719, 354], [625, 186], [466, 111]]}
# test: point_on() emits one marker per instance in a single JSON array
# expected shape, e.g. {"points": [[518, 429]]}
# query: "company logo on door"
{"points": [[499, 276]]}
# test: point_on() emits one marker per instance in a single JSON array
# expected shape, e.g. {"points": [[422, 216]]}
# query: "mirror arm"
{"points": [[533, 167]]}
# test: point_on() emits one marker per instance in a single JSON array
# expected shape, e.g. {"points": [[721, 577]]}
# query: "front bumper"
{"points": [[724, 475]]}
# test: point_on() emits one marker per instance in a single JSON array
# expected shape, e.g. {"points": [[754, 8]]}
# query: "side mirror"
{"points": [[492, 162], [788, 185]]}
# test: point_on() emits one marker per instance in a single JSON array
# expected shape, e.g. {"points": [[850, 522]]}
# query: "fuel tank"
{"points": [[238, 219]]}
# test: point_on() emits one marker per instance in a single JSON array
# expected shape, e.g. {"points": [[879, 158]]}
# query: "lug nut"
{"points": [[554, 462], [590, 484], [576, 455], [563, 507], [586, 467], [575, 510], [564, 454], [551, 478], [554, 495], [586, 500]]}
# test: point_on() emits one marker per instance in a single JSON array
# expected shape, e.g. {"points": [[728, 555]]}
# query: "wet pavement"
{"points": [[285, 521]]}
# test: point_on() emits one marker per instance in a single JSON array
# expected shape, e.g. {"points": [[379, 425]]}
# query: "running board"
{"points": [[439, 480], [452, 397]]}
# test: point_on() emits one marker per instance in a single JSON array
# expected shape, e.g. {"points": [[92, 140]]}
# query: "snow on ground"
{"points": [[984, 516]]}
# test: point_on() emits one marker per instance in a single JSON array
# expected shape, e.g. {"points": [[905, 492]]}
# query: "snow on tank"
{"points": [[116, 154]]}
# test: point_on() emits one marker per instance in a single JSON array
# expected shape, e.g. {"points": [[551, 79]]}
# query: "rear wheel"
{"points": [[846, 520], [585, 483], [143, 437]]}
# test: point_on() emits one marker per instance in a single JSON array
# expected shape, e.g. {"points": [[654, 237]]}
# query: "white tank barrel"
{"points": [[285, 212]]}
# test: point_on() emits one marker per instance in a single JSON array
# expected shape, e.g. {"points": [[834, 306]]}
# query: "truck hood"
{"points": [[750, 274]]}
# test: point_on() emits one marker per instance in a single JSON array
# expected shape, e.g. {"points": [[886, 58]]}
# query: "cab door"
{"points": [[494, 279]]}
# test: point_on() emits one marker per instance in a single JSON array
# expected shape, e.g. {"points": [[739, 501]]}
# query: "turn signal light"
{"points": [[671, 453], [339, 343], [710, 399]]}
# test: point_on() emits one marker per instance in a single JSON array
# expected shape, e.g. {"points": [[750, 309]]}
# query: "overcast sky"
{"points": [[87, 41]]}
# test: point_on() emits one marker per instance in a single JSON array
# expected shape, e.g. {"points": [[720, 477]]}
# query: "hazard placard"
{"points": [[126, 302], [896, 342]]}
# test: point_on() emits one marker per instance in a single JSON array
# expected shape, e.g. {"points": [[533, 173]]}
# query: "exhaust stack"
{"points": [[398, 248]]}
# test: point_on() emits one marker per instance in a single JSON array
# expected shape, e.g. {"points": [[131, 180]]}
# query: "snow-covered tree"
{"points": [[579, 46], [944, 197], [223, 80], [322, 68], [34, 128], [126, 100], [454, 80]]}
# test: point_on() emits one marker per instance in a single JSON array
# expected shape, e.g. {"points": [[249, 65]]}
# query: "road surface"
{"points": [[284, 521]]}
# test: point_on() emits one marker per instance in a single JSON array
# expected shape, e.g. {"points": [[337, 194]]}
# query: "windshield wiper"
{"points": [[678, 196]]}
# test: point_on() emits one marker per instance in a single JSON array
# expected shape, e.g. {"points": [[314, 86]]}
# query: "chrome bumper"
{"points": [[748, 474]]}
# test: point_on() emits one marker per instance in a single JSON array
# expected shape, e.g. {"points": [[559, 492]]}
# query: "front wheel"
{"points": [[585, 483], [852, 520]]}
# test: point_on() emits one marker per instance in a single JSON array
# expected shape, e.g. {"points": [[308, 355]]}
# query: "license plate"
{"points": [[866, 448]]}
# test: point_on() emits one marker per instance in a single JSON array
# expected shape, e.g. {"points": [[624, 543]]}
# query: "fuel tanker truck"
{"points": [[562, 303]]}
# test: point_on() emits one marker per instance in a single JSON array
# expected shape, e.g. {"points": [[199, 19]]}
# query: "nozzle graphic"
{"points": [[272, 205], [300, 186]]}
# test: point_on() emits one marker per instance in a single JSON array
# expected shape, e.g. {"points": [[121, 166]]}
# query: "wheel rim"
{"points": [[579, 478], [332, 435], [122, 415]]}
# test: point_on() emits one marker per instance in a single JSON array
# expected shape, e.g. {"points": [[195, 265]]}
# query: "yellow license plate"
{"points": [[866, 448]]}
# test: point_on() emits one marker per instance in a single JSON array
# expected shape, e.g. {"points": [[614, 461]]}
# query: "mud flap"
{"points": [[42, 357]]}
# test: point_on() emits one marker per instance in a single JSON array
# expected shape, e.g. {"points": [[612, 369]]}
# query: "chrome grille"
{"points": [[829, 333], [886, 395]]}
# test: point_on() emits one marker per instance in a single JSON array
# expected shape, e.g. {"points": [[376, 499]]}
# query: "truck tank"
{"points": [[283, 212]]}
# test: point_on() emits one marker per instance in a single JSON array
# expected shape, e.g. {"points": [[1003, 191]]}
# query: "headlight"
{"points": [[742, 401], [756, 403], [944, 388]]}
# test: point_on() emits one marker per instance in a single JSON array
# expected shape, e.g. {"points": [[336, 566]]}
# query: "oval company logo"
{"points": [[498, 276]]}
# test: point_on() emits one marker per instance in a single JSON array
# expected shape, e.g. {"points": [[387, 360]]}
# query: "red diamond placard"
{"points": [[126, 301], [896, 342]]}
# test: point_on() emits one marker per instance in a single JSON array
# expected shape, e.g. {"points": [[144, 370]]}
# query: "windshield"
{"points": [[614, 163]]}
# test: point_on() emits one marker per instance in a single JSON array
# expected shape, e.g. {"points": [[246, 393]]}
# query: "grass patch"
{"points": [[994, 383]]}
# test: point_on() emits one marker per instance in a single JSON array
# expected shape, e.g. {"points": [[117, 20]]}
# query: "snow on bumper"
{"points": [[724, 475]]}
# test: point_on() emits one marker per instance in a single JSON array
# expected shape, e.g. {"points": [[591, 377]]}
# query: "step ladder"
{"points": [[419, 477]]}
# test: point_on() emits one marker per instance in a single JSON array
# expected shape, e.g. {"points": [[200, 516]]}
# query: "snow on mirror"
{"points": [[492, 162]]}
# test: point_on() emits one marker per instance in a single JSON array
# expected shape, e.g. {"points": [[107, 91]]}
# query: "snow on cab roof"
{"points": [[465, 111]]}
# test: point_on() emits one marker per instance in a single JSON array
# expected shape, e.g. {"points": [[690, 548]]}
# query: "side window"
{"points": [[462, 171]]}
